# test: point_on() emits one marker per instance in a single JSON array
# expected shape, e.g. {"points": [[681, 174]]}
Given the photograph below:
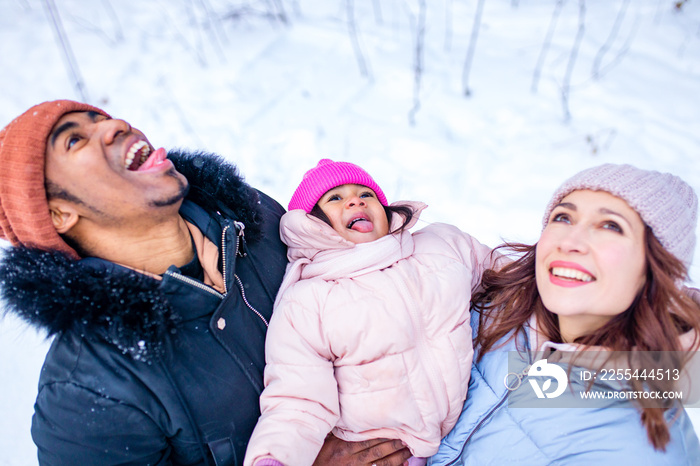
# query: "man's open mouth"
{"points": [[137, 155]]}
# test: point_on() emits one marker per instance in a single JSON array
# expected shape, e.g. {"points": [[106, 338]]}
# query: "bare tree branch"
{"points": [[601, 140], [611, 38], [622, 52], [376, 4], [215, 32], [418, 61], [281, 13], [566, 84], [68, 57], [409, 13], [190, 8], [296, 7], [472, 48], [195, 51], [352, 30], [545, 45], [119, 32], [448, 24], [97, 29]]}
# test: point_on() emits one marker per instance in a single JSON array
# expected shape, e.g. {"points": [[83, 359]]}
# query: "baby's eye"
{"points": [[333, 197], [613, 226], [366, 194]]}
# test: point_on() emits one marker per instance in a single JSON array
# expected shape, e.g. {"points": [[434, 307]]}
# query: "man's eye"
{"points": [[72, 140]]}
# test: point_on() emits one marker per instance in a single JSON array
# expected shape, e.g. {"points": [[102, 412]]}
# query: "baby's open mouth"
{"points": [[361, 224]]}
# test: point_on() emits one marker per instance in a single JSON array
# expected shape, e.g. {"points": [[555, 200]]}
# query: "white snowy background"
{"points": [[276, 85]]}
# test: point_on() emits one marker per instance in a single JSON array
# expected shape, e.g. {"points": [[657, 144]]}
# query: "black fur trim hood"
{"points": [[216, 185], [55, 293]]}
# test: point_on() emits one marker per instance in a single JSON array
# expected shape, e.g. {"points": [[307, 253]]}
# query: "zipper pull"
{"points": [[240, 240]]}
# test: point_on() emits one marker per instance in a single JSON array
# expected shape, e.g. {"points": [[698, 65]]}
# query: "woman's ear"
{"points": [[63, 215]]}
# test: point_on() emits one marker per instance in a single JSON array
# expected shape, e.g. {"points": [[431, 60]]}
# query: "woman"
{"points": [[604, 278]]}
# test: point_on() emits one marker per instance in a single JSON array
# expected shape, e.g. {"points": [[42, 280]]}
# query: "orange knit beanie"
{"points": [[24, 210]]}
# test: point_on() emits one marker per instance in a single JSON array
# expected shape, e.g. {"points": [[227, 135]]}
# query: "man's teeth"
{"points": [[142, 149], [572, 274]]}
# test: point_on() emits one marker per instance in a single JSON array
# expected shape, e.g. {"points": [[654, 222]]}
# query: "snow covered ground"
{"points": [[275, 96]]}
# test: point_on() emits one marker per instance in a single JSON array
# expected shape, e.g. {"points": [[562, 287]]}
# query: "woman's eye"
{"points": [[561, 218], [614, 226]]}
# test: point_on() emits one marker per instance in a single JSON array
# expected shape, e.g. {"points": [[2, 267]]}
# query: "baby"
{"points": [[370, 336]]}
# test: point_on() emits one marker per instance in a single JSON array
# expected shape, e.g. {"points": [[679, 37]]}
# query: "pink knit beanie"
{"points": [[24, 210], [667, 204], [326, 176]]}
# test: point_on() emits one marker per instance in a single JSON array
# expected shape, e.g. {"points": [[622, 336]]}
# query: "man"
{"points": [[157, 274]]}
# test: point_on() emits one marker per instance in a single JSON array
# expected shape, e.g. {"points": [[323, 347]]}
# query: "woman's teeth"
{"points": [[571, 274], [139, 148]]}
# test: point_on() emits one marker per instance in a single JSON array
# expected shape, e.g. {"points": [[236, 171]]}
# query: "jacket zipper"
{"points": [[240, 248], [240, 238], [223, 254], [211, 290], [485, 418], [477, 427], [194, 283], [245, 300]]}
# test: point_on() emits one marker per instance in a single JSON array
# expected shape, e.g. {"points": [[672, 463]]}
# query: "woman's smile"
{"points": [[569, 274]]}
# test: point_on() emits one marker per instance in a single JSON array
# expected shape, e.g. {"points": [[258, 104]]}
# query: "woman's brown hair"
{"points": [[654, 322]]}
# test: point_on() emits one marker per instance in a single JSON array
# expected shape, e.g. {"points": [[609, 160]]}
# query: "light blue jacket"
{"points": [[492, 431]]}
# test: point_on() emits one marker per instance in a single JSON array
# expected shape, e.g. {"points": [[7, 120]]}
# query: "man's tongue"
{"points": [[362, 225], [156, 158]]}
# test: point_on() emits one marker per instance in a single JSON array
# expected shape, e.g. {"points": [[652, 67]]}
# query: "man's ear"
{"points": [[63, 215]]}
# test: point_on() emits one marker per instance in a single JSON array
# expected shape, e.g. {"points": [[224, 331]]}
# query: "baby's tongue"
{"points": [[363, 226]]}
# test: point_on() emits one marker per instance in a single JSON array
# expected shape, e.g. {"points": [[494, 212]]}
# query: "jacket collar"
{"points": [[306, 236], [316, 250]]}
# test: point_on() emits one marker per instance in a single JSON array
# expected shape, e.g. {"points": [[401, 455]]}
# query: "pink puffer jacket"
{"points": [[371, 340]]}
